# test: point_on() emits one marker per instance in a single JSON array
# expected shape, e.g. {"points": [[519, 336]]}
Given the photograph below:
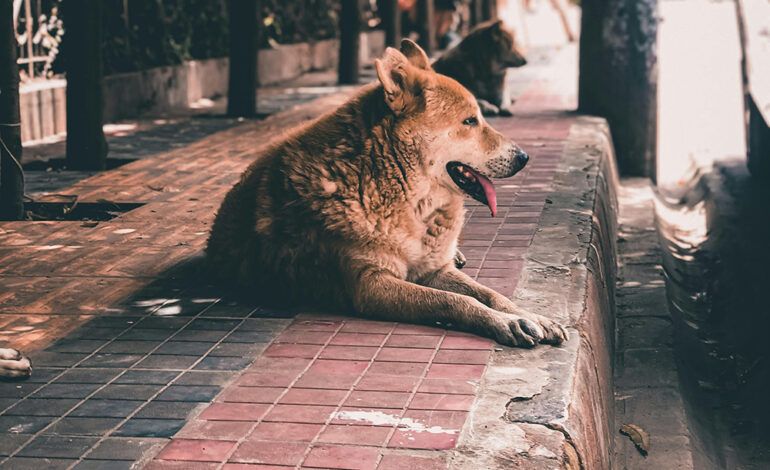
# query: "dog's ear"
{"points": [[415, 54], [400, 80]]}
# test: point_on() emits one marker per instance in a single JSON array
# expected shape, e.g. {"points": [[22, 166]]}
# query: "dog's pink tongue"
{"points": [[489, 190]]}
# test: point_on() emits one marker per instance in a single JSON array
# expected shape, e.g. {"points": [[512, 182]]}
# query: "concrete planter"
{"points": [[127, 95]]}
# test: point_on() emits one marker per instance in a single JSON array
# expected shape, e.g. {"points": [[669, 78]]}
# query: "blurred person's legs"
{"points": [[561, 8], [444, 21]]}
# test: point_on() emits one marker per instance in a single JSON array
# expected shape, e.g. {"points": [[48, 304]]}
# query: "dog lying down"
{"points": [[480, 61], [361, 210]]}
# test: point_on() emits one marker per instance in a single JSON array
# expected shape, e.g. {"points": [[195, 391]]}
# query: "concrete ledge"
{"points": [[127, 95], [553, 407]]}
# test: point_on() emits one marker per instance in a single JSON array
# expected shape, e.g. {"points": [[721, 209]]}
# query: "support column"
{"points": [[427, 26], [391, 19], [86, 145], [244, 49], [11, 174], [619, 77], [350, 41]]}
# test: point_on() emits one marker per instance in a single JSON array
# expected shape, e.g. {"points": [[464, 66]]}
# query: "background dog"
{"points": [[480, 62], [361, 210]]}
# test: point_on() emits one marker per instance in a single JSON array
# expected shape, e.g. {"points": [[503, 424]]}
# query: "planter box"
{"points": [[127, 95]]}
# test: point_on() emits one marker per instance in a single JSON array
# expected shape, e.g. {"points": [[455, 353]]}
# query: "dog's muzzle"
{"points": [[507, 165]]}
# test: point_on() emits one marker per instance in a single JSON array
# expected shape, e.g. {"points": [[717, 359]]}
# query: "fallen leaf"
{"points": [[638, 436], [89, 224]]}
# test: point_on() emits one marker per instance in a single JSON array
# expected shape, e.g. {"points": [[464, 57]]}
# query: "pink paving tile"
{"points": [[269, 452], [180, 465], [446, 420], [238, 394], [314, 325], [276, 364], [366, 326], [358, 416], [451, 386], [292, 350], [326, 381], [387, 383], [358, 435], [455, 371], [353, 353], [408, 462], [285, 432], [343, 457], [334, 368], [423, 440], [358, 339], [217, 430], [304, 337], [234, 411], [438, 401], [406, 369], [409, 329], [462, 356], [377, 399], [299, 414], [268, 379], [404, 355], [203, 450], [252, 466], [413, 341], [308, 396]]}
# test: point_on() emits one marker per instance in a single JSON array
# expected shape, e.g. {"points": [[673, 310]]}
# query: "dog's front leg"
{"points": [[378, 293], [451, 279], [13, 365]]}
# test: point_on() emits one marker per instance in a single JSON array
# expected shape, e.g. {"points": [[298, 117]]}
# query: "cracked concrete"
{"points": [[550, 408]]}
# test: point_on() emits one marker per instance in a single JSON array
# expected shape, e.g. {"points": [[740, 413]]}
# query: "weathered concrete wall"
{"points": [[553, 407], [127, 95]]}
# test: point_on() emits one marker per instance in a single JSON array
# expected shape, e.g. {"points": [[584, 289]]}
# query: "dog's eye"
{"points": [[471, 121]]}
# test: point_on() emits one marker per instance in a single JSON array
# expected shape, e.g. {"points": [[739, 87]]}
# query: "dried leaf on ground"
{"points": [[638, 436]]}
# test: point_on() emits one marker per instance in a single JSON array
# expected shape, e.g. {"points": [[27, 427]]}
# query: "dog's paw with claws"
{"points": [[13, 365], [460, 259], [527, 331], [487, 108]]}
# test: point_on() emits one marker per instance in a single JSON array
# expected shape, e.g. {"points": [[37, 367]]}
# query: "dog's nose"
{"points": [[520, 159]]}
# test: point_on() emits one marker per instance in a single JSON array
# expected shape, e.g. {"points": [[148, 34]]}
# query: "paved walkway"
{"points": [[140, 349]]}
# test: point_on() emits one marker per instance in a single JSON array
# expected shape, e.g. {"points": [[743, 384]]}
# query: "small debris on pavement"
{"points": [[638, 436]]}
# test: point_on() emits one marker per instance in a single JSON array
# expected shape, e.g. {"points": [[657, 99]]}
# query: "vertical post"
{"points": [[488, 9], [427, 26], [11, 175], [476, 12], [391, 19], [619, 77], [86, 145], [242, 88], [350, 41]]}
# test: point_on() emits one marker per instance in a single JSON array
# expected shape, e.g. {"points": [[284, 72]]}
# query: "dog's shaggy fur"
{"points": [[480, 61], [361, 210]]}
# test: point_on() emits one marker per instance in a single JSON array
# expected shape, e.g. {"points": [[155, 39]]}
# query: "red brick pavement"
{"points": [[334, 392]]}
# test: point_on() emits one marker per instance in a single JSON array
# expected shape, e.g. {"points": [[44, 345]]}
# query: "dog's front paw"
{"points": [[553, 333], [460, 259], [512, 330], [13, 365]]}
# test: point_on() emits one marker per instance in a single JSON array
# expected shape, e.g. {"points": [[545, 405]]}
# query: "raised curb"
{"points": [[553, 407]]}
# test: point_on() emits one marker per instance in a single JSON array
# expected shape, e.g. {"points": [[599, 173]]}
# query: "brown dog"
{"points": [[361, 210], [480, 62]]}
